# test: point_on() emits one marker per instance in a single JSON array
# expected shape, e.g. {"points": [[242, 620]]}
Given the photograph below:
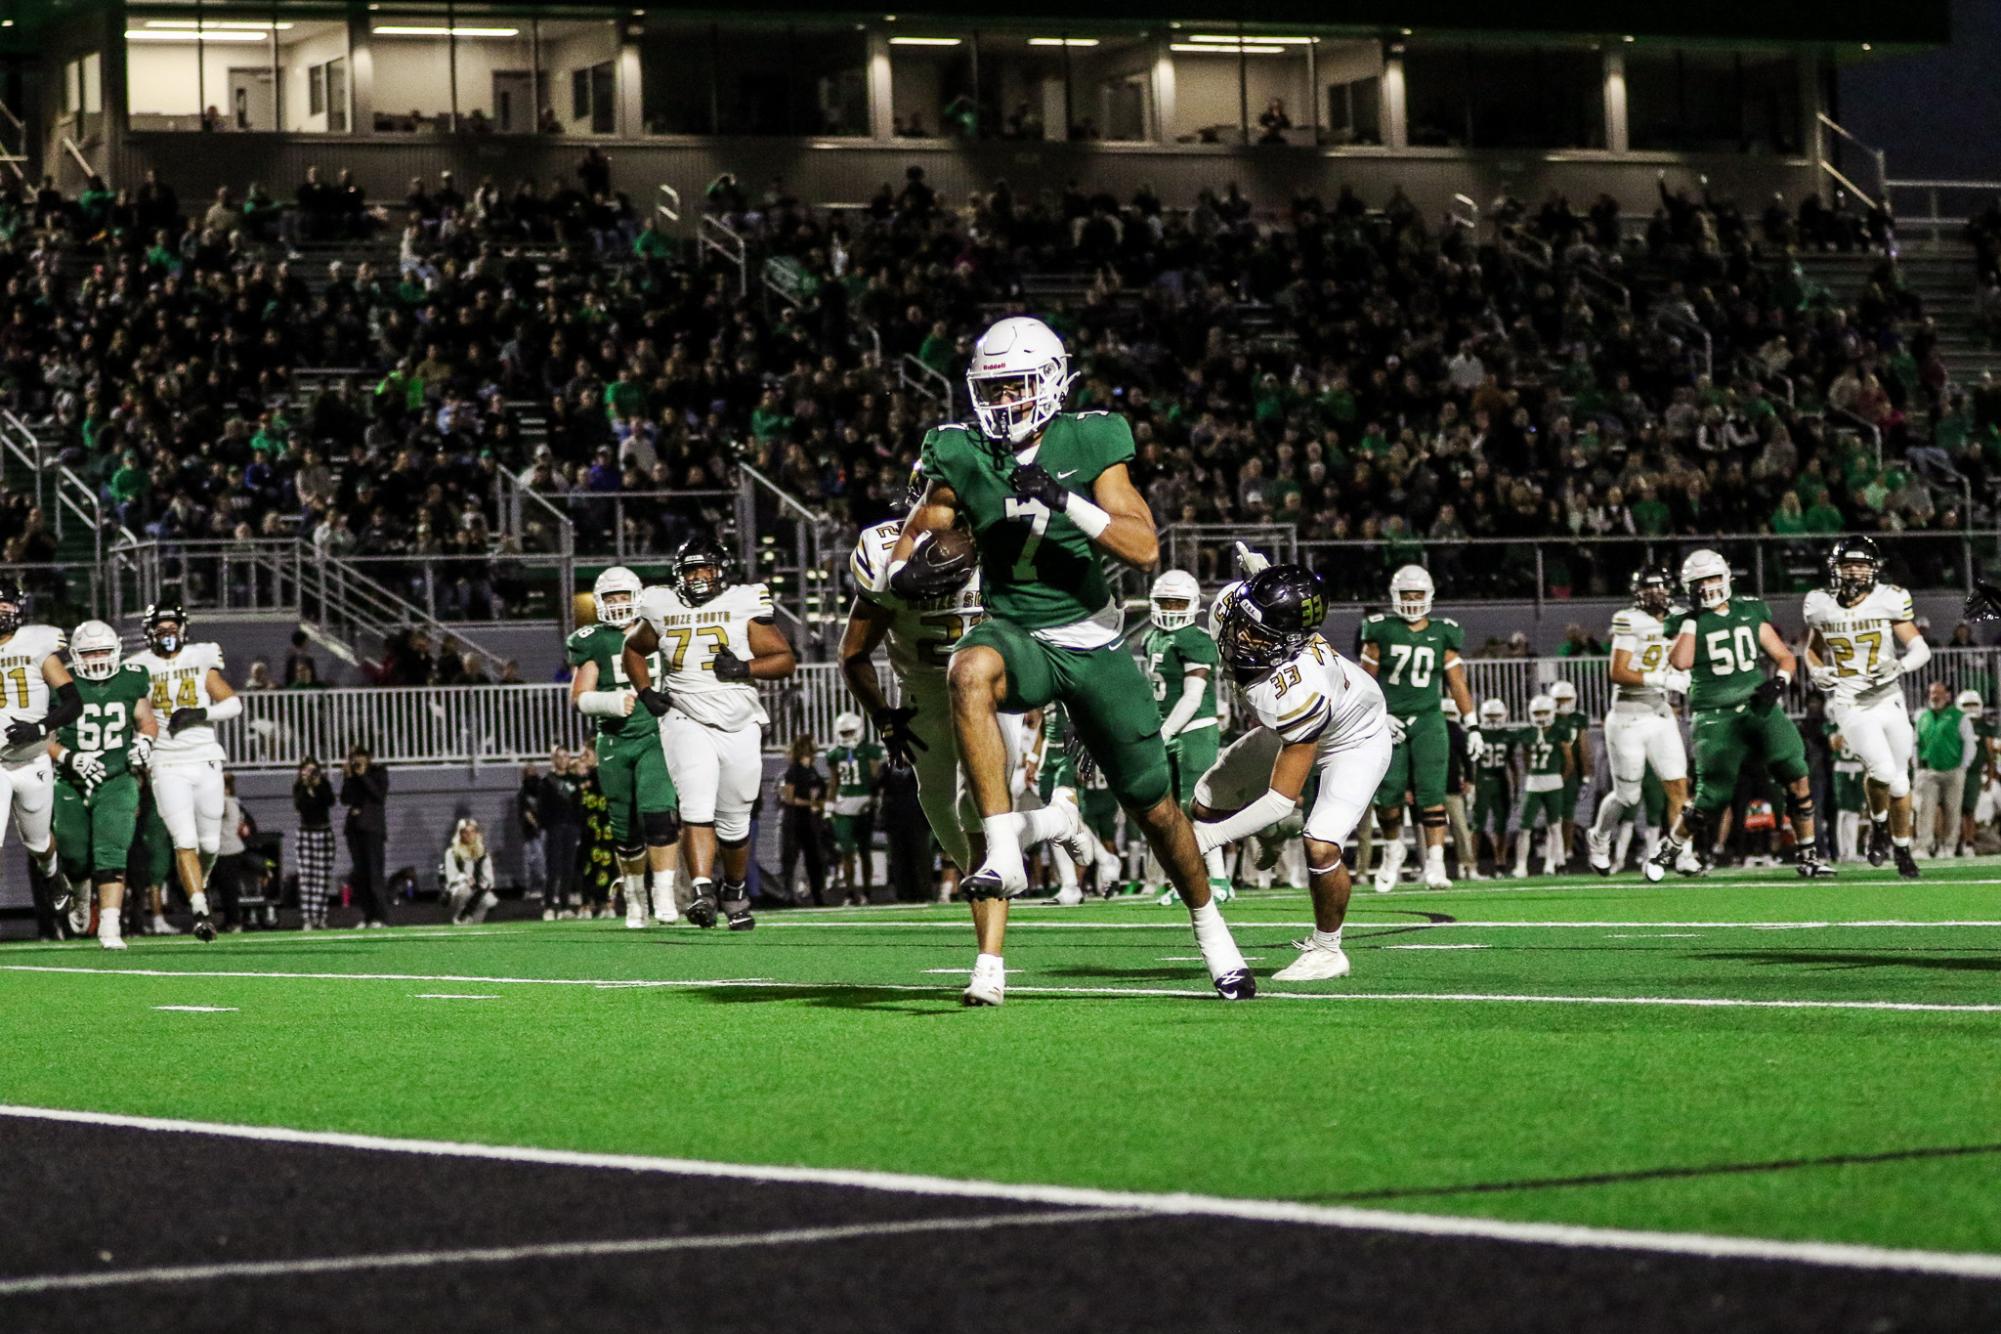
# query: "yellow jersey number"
{"points": [[1846, 649], [938, 634], [718, 637], [181, 694], [17, 681]]}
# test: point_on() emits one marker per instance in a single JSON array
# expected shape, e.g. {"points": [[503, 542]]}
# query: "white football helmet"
{"points": [[1450, 708], [1565, 696], [95, 652], [1706, 577], [1493, 713], [1018, 377], [1410, 592], [848, 728], [1968, 703], [1542, 711], [616, 594], [1175, 586]]}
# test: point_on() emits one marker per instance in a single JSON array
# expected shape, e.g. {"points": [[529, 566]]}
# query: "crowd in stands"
{"points": [[1350, 367]]}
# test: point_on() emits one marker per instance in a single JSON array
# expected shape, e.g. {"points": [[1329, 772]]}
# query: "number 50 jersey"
{"points": [[691, 638], [921, 635], [181, 682]]}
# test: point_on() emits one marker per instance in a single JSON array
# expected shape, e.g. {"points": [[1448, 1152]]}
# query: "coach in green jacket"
{"points": [[1945, 746]]}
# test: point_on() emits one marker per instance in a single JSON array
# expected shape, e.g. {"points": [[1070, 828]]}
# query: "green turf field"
{"points": [[1746, 1055]]}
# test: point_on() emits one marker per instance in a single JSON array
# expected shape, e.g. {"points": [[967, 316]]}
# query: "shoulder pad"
{"points": [[212, 652], [1372, 618], [1446, 620], [582, 633]]}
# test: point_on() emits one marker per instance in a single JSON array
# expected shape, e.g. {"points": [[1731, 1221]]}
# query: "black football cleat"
{"points": [[1809, 865], [204, 928], [741, 920], [1237, 984], [702, 912], [982, 884], [1907, 865], [1879, 842]]}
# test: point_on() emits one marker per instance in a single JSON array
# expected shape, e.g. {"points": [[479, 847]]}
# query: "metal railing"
{"points": [[68, 500], [60, 593], [713, 235], [799, 551], [1876, 156], [621, 524], [668, 205]]}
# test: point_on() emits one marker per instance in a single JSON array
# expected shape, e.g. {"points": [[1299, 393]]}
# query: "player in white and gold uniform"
{"points": [[717, 639], [37, 697], [1640, 727], [1854, 627], [1316, 711], [190, 695]]}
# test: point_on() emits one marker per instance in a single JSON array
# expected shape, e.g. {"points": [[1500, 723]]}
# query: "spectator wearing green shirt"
{"points": [[130, 486], [1650, 513], [1823, 517], [1789, 520], [652, 243], [938, 349]]}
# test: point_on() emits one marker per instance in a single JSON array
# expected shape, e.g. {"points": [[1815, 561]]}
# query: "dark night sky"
{"points": [[1936, 113]]}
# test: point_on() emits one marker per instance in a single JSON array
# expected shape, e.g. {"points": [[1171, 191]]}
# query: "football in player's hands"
{"points": [[185, 718], [940, 563], [729, 667], [1033, 481]]}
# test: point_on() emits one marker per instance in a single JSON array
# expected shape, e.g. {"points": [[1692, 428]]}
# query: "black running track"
{"points": [[77, 1199]]}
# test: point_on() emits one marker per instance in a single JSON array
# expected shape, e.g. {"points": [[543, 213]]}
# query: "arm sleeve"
{"points": [[1916, 654], [225, 709], [65, 707], [1266, 811], [1192, 689]]}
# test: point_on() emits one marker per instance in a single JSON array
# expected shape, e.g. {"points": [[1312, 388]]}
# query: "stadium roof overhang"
{"points": [[1905, 24]]}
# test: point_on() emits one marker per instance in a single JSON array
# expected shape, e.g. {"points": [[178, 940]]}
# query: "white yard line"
{"points": [[197, 1009], [1829, 1254], [1241, 924], [562, 1250], [685, 984]]}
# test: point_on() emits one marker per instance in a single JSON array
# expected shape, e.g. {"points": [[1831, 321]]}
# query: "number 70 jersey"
{"points": [[921, 636], [1410, 664], [692, 637]]}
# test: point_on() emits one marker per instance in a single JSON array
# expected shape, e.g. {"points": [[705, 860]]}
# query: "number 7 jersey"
{"points": [[181, 682], [921, 635], [1410, 663], [692, 636]]}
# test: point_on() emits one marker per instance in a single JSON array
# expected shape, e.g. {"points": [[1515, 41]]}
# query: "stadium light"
{"points": [[216, 25], [925, 41], [1259, 38], [1062, 41], [1211, 49], [155, 35], [439, 30]]}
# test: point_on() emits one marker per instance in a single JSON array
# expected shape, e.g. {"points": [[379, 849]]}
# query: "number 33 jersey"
{"points": [[692, 636], [921, 635], [1318, 696], [181, 682], [1861, 640]]}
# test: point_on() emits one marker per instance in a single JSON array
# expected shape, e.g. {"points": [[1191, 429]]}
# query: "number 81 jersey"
{"points": [[921, 635], [24, 692], [693, 635], [181, 682], [1860, 639], [1410, 663]]}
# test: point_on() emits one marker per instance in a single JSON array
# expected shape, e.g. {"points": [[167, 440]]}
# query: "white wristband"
{"points": [[602, 703], [1086, 515]]}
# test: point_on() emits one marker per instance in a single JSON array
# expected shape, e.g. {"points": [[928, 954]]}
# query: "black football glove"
{"points": [[926, 576], [1768, 692], [25, 733], [893, 726], [655, 700], [729, 667], [183, 719], [1983, 603], [1081, 758], [1032, 481]]}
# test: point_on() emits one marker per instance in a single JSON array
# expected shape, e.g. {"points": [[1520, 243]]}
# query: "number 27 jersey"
{"points": [[1860, 639], [693, 635], [921, 635], [181, 682]]}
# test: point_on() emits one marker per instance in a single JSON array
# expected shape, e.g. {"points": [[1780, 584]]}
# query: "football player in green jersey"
{"points": [[856, 766], [1413, 654], [97, 754], [1577, 729], [632, 766], [1545, 745], [1736, 713], [1047, 494], [1056, 768], [1181, 661], [1494, 781]]}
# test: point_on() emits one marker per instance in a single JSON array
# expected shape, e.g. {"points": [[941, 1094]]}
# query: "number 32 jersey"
{"points": [[181, 682], [1410, 663], [24, 694], [1860, 639], [692, 636], [921, 635]]}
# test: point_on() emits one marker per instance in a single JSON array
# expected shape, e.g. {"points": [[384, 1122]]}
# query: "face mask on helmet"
{"points": [[165, 637], [1174, 597], [848, 729], [1711, 591], [1854, 579], [1410, 593], [13, 609], [1653, 593], [1250, 647], [1542, 715], [1493, 713]]}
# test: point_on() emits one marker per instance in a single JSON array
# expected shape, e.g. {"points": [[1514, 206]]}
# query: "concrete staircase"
{"points": [[1942, 273]]}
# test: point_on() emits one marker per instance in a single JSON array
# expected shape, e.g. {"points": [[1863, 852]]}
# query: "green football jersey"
{"points": [[109, 719], [1169, 655], [1410, 664], [854, 768], [1497, 760], [1729, 663], [1543, 747], [1037, 569], [605, 646]]}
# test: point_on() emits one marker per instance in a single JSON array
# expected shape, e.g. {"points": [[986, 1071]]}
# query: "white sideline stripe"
{"points": [[332, 935], [1434, 947], [1888, 925], [1180, 1204], [453, 995], [198, 1009], [560, 1250], [697, 983]]}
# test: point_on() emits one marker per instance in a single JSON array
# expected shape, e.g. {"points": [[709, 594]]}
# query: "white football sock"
{"points": [[1033, 827], [198, 902], [1004, 845], [633, 885], [1327, 939], [1219, 947], [1213, 859]]}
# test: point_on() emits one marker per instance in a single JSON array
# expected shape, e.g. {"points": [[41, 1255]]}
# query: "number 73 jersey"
{"points": [[1410, 664], [691, 638], [921, 635], [1860, 639], [181, 682]]}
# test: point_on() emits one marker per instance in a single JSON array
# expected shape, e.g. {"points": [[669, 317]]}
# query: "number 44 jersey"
{"points": [[691, 638], [110, 716], [181, 682], [921, 635], [1410, 662]]}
